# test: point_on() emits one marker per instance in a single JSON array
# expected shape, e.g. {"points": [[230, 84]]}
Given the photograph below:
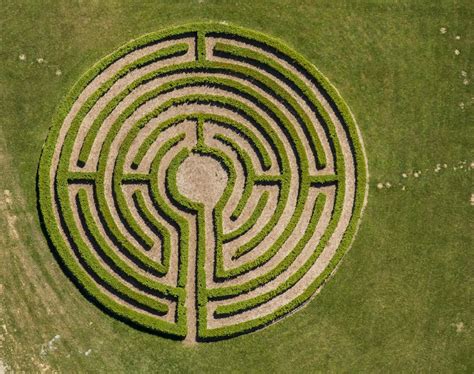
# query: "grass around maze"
{"points": [[401, 299]]}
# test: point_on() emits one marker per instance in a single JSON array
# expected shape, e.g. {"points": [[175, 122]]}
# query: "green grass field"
{"points": [[401, 300]]}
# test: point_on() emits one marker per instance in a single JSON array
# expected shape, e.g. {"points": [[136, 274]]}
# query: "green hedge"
{"points": [[77, 255]]}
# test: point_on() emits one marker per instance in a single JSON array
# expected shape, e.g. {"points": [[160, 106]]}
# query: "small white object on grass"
{"points": [[22, 57], [472, 199], [459, 326], [40, 60], [388, 185], [52, 341], [88, 352], [416, 174], [458, 37], [457, 52], [45, 348], [465, 81], [463, 73], [58, 72], [4, 368], [461, 105], [403, 188], [379, 186], [404, 175], [442, 30]]}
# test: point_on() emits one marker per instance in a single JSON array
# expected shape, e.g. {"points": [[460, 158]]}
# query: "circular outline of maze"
{"points": [[113, 206]]}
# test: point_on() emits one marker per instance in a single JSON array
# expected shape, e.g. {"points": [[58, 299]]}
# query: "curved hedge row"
{"points": [[113, 263]]}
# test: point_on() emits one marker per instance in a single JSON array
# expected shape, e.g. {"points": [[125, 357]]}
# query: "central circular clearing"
{"points": [[201, 179]]}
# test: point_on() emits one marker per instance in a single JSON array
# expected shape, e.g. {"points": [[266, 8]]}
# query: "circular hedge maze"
{"points": [[201, 182]]}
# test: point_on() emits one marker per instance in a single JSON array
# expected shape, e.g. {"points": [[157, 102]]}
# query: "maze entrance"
{"points": [[202, 182]]}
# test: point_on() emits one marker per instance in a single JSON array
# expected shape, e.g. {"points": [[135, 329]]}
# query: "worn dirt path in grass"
{"points": [[32, 299]]}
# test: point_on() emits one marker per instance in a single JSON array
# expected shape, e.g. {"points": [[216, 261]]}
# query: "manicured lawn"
{"points": [[402, 297]]}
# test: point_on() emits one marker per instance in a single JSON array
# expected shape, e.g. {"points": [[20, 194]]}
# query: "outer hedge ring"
{"points": [[178, 329]]}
